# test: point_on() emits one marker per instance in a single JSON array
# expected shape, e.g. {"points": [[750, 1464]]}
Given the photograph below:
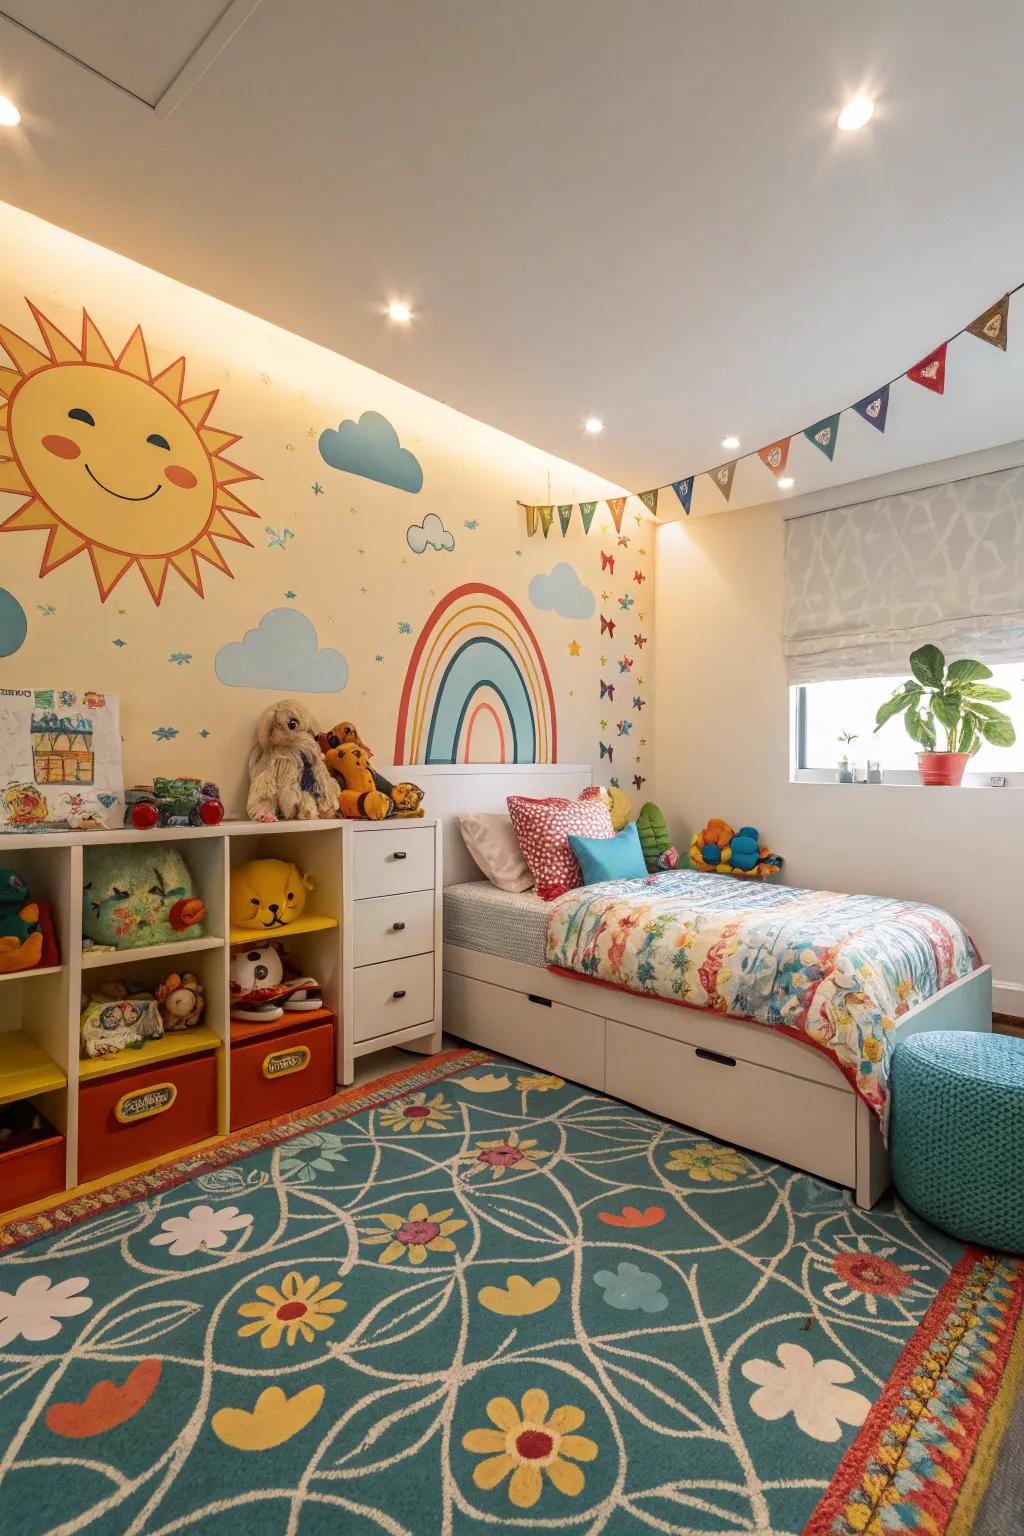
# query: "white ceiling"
{"points": [[638, 210]]}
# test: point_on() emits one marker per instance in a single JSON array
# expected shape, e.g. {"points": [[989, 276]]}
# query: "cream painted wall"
{"points": [[723, 750], [339, 555]]}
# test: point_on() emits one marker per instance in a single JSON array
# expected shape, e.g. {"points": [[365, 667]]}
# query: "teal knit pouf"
{"points": [[957, 1134]]}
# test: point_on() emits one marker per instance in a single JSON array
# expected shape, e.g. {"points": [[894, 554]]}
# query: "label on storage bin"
{"points": [[143, 1102], [281, 1063]]}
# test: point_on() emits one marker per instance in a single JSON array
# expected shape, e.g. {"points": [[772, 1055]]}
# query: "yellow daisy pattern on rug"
{"points": [[416, 1111], [300, 1309], [412, 1237], [274, 1419], [518, 1297], [529, 1444], [704, 1162]]}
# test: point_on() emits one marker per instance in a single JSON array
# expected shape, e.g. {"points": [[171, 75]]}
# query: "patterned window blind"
{"points": [[866, 585]]}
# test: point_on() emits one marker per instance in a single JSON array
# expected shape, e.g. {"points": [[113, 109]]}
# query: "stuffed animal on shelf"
{"points": [[404, 798], [119, 1017], [360, 797], [265, 982], [717, 849], [288, 778], [181, 1000], [26, 927], [137, 894], [266, 894]]}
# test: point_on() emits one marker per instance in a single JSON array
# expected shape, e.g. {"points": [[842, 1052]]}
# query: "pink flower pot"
{"points": [[942, 767]]}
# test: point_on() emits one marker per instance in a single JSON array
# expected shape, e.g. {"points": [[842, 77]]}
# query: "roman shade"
{"points": [[867, 584]]}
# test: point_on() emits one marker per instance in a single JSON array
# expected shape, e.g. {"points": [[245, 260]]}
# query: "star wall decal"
{"points": [[574, 647]]}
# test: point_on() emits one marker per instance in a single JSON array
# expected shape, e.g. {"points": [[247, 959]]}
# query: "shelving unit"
{"points": [[184, 1042]]}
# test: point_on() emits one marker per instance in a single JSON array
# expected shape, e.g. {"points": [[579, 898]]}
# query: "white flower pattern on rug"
{"points": [[812, 1391], [34, 1309], [203, 1227]]}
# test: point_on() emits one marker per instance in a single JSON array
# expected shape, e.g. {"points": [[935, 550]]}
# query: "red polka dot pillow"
{"points": [[542, 829]]}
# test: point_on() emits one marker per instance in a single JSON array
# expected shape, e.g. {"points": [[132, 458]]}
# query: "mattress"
{"points": [[511, 924]]}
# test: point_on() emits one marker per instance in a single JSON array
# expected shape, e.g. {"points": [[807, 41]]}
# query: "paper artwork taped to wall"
{"points": [[60, 760], [113, 460]]}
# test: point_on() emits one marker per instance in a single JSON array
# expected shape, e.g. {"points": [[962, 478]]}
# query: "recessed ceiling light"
{"points": [[593, 425], [855, 114], [10, 117], [399, 312], [730, 442], [785, 482]]}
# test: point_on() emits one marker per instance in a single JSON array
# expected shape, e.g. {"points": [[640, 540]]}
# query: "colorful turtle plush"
{"points": [[719, 850]]}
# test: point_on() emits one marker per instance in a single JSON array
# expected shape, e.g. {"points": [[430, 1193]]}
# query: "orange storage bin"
{"points": [[280, 1067], [31, 1171], [130, 1116]]}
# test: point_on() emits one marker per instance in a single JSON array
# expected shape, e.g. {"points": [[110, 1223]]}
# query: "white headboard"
{"points": [[455, 788]]}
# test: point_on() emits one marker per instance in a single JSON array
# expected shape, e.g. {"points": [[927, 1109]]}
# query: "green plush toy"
{"points": [[655, 842], [138, 894]]}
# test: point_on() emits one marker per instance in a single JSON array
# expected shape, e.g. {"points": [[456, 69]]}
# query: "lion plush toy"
{"points": [[288, 778], [404, 798], [360, 797]]}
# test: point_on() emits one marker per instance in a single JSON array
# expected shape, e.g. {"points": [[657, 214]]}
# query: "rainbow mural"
{"points": [[477, 689]]}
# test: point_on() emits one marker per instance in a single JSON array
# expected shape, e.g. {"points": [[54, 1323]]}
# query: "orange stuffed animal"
{"points": [[360, 798], [404, 799]]}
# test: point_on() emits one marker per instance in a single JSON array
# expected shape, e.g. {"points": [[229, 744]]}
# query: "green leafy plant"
{"points": [[847, 737], [956, 700]]}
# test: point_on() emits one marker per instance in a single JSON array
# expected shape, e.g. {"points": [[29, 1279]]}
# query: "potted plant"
{"points": [[844, 773], [956, 700]]}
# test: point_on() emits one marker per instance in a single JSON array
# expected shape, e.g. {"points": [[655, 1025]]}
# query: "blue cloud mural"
{"points": [[281, 653], [370, 447], [431, 532], [13, 623], [562, 592]]}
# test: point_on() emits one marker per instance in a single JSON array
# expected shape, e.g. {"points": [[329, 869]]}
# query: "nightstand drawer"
{"points": [[393, 860], [392, 996], [390, 927]]}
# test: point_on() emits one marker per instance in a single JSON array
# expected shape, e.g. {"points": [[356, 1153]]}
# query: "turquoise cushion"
{"points": [[957, 1134], [610, 858]]}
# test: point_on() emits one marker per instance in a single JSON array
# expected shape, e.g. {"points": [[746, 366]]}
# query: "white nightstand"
{"points": [[391, 938]]}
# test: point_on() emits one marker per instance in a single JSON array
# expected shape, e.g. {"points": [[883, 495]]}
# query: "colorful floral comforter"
{"points": [[836, 970]]}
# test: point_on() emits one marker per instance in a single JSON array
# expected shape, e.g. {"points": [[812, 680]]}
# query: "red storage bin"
{"points": [[131, 1116], [31, 1171], [280, 1067]]}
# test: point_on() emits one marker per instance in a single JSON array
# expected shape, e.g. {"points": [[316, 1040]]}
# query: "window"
{"points": [[824, 710]]}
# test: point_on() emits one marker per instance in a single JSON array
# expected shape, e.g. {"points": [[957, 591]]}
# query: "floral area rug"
{"points": [[476, 1298]]}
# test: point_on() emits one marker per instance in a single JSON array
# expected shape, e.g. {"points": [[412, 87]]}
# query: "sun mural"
{"points": [[114, 459]]}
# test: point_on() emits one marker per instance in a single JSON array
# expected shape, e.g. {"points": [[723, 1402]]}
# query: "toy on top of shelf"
{"points": [[264, 982], [119, 1017], [136, 894], [26, 928], [181, 1000], [717, 849], [404, 798], [267, 894], [360, 797], [288, 778], [173, 803]]}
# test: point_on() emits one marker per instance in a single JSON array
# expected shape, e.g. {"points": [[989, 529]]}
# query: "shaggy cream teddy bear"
{"points": [[288, 778]]}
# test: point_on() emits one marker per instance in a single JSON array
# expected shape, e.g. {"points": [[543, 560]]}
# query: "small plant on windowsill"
{"points": [[956, 700], [844, 772]]}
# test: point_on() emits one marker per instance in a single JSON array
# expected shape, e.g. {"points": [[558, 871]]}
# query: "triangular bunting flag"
{"points": [[775, 455], [722, 476], [931, 370], [546, 515], [823, 435], [650, 501], [564, 517], [531, 521], [684, 490], [587, 510], [991, 326], [616, 506], [875, 408]]}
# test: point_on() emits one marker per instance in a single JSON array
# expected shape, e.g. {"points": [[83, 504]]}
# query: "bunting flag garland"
{"points": [[722, 476], [874, 408], [931, 370], [650, 501], [565, 517], [823, 435], [616, 506], [587, 510], [546, 515], [684, 490], [531, 521], [991, 326], [775, 455]]}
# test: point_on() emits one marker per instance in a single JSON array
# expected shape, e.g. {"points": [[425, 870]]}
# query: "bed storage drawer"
{"points": [[392, 996], [529, 1027], [390, 927], [782, 1117], [389, 861]]}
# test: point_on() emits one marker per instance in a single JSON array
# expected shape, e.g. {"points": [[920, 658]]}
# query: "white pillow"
{"points": [[492, 842]]}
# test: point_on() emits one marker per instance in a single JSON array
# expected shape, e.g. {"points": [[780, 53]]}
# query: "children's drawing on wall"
{"points": [[282, 653], [60, 760], [115, 461], [430, 534], [370, 447], [477, 689]]}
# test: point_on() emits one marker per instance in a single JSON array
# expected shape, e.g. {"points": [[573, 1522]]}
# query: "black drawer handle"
{"points": [[543, 1002], [399, 854], [397, 927], [399, 994], [723, 1061]]}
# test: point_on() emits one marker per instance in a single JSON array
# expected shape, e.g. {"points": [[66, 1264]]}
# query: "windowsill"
{"points": [[899, 779]]}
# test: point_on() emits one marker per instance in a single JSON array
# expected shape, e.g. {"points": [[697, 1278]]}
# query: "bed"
{"points": [[732, 1078]]}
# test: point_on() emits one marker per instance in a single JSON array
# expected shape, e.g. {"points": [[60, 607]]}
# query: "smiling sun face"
{"points": [[114, 460]]}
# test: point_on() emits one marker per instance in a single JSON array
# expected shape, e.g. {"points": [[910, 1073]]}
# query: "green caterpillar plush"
{"points": [[139, 894], [655, 842]]}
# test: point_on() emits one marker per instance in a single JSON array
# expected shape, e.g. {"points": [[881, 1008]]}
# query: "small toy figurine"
{"points": [[719, 850], [173, 803], [267, 894], [119, 1018], [357, 774], [181, 1000], [259, 988], [288, 779], [26, 928]]}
